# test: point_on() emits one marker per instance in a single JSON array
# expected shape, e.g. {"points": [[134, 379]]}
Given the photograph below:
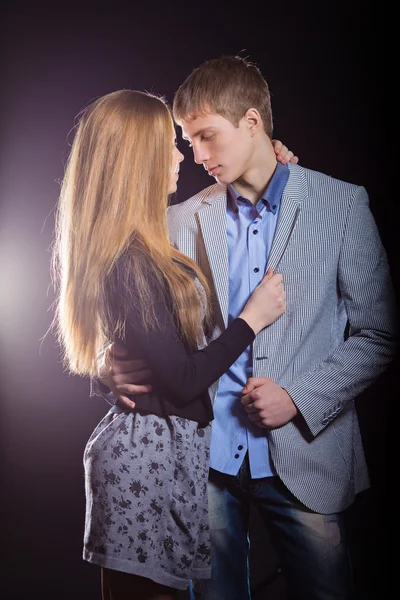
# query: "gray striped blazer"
{"points": [[335, 271]]}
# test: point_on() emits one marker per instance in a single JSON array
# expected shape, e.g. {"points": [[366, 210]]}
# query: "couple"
{"points": [[288, 352]]}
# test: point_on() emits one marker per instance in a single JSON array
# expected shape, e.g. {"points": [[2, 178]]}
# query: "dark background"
{"points": [[325, 68]]}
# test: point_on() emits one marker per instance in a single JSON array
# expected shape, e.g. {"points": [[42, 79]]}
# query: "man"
{"points": [[285, 434]]}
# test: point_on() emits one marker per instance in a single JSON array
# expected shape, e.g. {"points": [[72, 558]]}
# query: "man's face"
{"points": [[225, 151]]}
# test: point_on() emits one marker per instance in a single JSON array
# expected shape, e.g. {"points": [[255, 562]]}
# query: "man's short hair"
{"points": [[228, 86]]}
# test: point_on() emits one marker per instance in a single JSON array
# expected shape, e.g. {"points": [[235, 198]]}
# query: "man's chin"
{"points": [[221, 179]]}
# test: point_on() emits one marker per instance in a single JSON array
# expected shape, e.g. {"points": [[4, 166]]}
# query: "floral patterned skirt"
{"points": [[146, 497]]}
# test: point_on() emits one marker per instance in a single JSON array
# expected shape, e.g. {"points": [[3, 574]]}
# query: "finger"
{"points": [[246, 391], [245, 400], [277, 146], [284, 154], [250, 408], [132, 377], [133, 389], [277, 279], [251, 385], [256, 382], [281, 289], [248, 399], [248, 386], [294, 160], [124, 402], [269, 274]]}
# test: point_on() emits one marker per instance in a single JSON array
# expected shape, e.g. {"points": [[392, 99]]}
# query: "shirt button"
{"points": [[256, 269], [240, 447], [237, 455], [255, 231], [274, 206]]}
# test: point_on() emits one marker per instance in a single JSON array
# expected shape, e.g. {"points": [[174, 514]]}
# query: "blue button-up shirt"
{"points": [[250, 231]]}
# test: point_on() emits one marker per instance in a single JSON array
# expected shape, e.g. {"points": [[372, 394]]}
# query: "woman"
{"points": [[121, 280]]}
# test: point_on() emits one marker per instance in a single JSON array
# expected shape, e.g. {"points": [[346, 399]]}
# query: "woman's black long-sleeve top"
{"points": [[180, 376]]}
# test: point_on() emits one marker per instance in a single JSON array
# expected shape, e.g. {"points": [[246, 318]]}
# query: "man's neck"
{"points": [[252, 183]]}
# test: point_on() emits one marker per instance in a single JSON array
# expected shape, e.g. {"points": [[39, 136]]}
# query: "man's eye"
{"points": [[206, 138]]}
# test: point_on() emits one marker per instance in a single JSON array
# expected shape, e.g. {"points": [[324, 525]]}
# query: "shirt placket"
{"points": [[255, 247]]}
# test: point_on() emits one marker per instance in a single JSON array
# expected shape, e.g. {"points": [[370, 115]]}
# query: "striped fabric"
{"points": [[335, 269]]}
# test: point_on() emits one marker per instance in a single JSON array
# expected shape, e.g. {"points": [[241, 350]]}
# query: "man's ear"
{"points": [[253, 120]]}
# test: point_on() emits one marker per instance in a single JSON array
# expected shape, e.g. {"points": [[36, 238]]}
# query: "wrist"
{"points": [[251, 321]]}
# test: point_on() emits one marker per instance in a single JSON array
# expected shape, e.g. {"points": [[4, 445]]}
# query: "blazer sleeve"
{"points": [[176, 373], [367, 290]]}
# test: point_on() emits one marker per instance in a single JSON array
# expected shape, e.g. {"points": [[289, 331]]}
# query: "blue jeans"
{"points": [[311, 547]]}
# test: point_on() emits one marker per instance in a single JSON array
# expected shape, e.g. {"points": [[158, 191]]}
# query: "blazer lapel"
{"points": [[288, 215], [212, 222]]}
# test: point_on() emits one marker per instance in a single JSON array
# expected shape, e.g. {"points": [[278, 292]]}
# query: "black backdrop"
{"points": [[324, 65]]}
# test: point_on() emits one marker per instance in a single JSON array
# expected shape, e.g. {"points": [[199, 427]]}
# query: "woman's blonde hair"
{"points": [[111, 227]]}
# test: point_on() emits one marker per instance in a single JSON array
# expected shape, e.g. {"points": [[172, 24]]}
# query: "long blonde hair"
{"points": [[111, 220]]}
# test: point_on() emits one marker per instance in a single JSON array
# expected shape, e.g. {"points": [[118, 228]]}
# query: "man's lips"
{"points": [[212, 170]]}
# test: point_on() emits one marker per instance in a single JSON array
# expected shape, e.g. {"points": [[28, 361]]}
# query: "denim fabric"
{"points": [[311, 547]]}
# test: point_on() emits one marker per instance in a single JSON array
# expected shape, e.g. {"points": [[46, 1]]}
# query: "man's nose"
{"points": [[200, 154]]}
